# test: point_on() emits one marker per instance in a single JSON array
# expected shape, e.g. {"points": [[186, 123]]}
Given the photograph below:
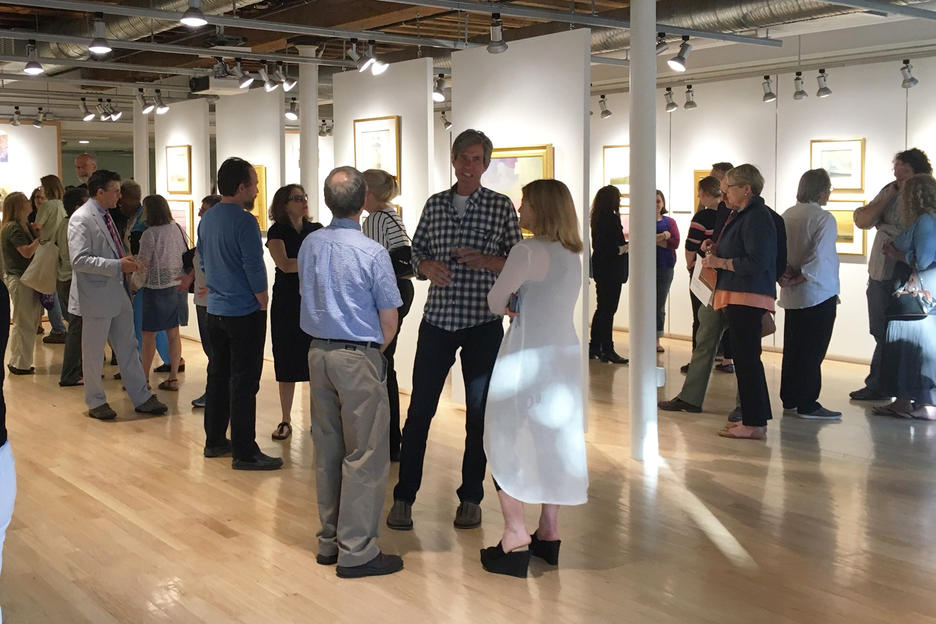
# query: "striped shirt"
{"points": [[386, 227], [701, 228]]}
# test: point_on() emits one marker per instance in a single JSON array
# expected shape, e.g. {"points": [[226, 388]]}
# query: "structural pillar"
{"points": [[642, 284], [141, 149], [308, 129]]}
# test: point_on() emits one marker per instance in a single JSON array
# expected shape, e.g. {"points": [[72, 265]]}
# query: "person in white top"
{"points": [[809, 290], [534, 426], [165, 307]]}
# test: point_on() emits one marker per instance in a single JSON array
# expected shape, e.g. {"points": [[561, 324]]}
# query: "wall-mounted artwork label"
{"points": [[377, 145], [512, 168], [179, 169], [850, 240], [843, 159]]}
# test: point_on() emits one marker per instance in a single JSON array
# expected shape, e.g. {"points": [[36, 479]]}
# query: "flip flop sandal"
{"points": [[283, 431], [170, 384], [756, 434], [887, 410]]}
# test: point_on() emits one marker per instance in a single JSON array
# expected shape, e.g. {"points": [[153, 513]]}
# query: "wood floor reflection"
{"points": [[127, 522]]}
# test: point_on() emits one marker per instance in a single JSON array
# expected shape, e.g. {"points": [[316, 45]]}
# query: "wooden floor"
{"points": [[127, 522]]}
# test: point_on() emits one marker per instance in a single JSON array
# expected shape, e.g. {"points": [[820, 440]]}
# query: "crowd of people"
{"points": [[124, 270]]}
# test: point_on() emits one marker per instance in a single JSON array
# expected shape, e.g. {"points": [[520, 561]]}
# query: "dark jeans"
{"points": [[393, 388], [806, 335], [879, 292], [435, 354], [664, 279], [744, 325], [201, 314], [233, 380], [608, 293], [71, 359], [696, 304]]}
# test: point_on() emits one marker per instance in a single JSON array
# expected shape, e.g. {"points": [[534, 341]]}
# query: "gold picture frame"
{"points": [[697, 176], [259, 209], [184, 208], [512, 168], [377, 144], [850, 240], [844, 159], [179, 169]]}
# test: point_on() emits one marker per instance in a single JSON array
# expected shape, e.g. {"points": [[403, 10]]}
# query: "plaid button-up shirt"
{"points": [[490, 225]]}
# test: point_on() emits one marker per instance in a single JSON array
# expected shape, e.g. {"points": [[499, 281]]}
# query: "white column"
{"points": [[308, 129], [642, 296], [141, 154]]}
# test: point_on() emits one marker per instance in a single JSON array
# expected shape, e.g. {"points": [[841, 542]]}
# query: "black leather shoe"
{"points": [[547, 550], [259, 461], [378, 566], [514, 563], [867, 394], [326, 559], [678, 405], [400, 517], [166, 368], [218, 451], [612, 358], [21, 371]]}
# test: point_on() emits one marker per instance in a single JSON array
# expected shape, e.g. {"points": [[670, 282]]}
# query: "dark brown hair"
{"points": [[280, 199], [607, 200], [156, 210]]}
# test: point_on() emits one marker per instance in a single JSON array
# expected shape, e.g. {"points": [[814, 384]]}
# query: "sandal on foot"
{"points": [[169, 384], [283, 431], [547, 550], [513, 563], [888, 410], [755, 433]]}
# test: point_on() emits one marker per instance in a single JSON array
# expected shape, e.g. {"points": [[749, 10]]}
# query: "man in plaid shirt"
{"points": [[460, 245]]}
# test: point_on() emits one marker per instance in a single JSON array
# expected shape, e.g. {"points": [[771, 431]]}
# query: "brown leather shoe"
{"points": [[678, 405]]}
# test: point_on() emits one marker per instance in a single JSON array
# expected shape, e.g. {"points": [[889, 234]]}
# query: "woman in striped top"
{"points": [[385, 226]]}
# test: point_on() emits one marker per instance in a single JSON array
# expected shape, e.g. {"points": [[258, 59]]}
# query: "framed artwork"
{"points": [[616, 168], [697, 175], [512, 168], [259, 210], [179, 169], [850, 240], [843, 159], [377, 144], [4, 147], [183, 213]]}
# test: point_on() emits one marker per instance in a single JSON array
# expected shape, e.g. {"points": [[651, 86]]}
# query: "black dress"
{"points": [[290, 343]]}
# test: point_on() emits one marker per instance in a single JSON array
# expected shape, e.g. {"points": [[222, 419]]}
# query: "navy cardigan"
{"points": [[752, 241]]}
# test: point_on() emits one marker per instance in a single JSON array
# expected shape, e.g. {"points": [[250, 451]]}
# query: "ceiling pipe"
{"points": [[149, 69], [94, 83]]}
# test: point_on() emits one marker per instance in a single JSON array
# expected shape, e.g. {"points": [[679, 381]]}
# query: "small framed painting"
{"points": [[179, 169], [616, 168], [183, 213], [850, 240], [512, 168], [697, 176], [843, 159], [377, 144], [259, 209]]}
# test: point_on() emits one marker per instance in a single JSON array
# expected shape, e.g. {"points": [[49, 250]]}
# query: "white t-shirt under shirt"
{"points": [[461, 205]]}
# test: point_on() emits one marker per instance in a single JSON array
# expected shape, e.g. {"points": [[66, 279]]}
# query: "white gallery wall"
{"points": [[732, 123], [404, 90], [186, 123], [326, 162], [27, 154]]}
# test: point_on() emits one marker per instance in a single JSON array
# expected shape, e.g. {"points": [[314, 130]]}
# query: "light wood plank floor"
{"points": [[127, 522]]}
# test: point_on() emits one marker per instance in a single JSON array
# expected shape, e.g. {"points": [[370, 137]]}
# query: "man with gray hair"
{"points": [[460, 245], [85, 165], [349, 307]]}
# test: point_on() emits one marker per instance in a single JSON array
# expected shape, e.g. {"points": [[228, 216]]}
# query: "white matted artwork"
{"points": [[843, 159], [179, 169], [616, 168], [850, 240], [377, 144], [182, 213]]}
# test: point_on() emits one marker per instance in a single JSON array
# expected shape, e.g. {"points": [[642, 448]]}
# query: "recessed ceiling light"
{"points": [[84, 141]]}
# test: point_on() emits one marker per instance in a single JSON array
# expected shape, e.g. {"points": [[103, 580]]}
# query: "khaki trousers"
{"points": [[26, 314], [712, 324], [350, 430]]}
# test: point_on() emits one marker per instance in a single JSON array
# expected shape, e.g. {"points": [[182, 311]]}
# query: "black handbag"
{"points": [[188, 260], [911, 302], [402, 260]]}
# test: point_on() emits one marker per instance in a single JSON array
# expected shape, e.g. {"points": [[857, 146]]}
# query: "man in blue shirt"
{"points": [[231, 254], [349, 307]]}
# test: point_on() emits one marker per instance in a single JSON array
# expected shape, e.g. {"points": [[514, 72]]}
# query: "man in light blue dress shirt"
{"points": [[349, 307]]}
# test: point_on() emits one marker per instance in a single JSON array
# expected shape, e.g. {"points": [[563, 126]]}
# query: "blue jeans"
{"points": [[55, 316], [162, 341]]}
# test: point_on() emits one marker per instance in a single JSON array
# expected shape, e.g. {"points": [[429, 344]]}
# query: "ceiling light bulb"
{"points": [[497, 43], [690, 99], [99, 44], [446, 124], [102, 112], [769, 95], [193, 16], [84, 141], [115, 114], [32, 67], [670, 104], [145, 107], [378, 67], [906, 72], [438, 92], [161, 108], [661, 46], [86, 115], [603, 105], [268, 85], [824, 90], [678, 62], [292, 113], [799, 93], [289, 84]]}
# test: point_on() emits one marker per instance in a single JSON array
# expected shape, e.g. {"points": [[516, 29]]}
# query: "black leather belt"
{"points": [[356, 343]]}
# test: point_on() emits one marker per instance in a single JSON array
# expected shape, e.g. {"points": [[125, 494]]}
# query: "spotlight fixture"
{"points": [[40, 117], [446, 124], [769, 95], [15, 118], [361, 60], [670, 104], [193, 16], [86, 115], [438, 92], [824, 90], [33, 68], [603, 105], [908, 80], [661, 46], [99, 45], [147, 107], [799, 93], [678, 62], [292, 113], [268, 85], [287, 82], [114, 113], [497, 43], [690, 99], [323, 129], [377, 66], [102, 112], [244, 78], [220, 68], [161, 108]]}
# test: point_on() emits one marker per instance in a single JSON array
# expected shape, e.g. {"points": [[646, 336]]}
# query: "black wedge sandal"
{"points": [[547, 550], [513, 563]]}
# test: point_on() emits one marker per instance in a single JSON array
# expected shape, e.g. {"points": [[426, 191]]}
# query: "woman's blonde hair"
{"points": [[918, 196], [52, 187], [382, 185], [747, 174], [554, 216], [12, 204]]}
